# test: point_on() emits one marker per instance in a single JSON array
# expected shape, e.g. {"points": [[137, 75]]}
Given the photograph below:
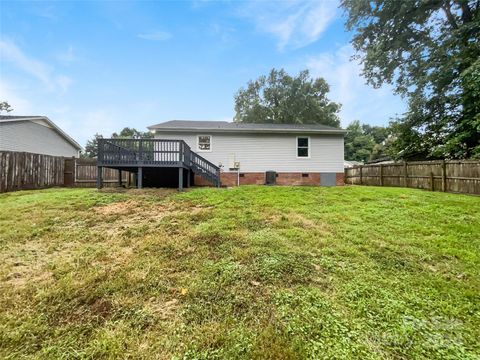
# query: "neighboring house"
{"points": [[249, 153], [351, 163], [35, 134]]}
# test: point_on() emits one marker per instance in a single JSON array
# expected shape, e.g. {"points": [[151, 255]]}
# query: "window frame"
{"points": [[303, 147], [198, 143]]}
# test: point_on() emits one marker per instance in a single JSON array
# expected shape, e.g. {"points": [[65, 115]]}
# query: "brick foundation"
{"points": [[340, 179], [258, 178], [298, 179]]}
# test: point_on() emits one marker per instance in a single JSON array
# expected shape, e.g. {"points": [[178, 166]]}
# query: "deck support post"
{"points": [[188, 178], [99, 177], [119, 178], [180, 179], [140, 178]]}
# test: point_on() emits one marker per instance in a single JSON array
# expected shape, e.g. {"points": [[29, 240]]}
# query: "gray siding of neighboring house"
{"points": [[35, 138], [263, 152]]}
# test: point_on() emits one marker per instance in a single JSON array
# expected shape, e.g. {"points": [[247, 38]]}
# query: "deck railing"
{"points": [[143, 152], [154, 153]]}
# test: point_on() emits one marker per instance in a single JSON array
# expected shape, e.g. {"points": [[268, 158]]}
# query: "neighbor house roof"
{"points": [[15, 118], [225, 126]]}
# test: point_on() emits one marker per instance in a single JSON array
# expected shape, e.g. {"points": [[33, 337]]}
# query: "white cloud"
{"points": [[63, 82], [67, 56], [359, 100], [295, 24], [47, 12], [10, 52], [155, 36], [102, 121]]}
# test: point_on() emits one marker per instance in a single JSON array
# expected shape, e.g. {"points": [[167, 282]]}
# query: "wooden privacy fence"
{"points": [[459, 176], [86, 175], [21, 170]]}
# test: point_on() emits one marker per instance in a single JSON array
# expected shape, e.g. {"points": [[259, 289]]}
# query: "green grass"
{"points": [[243, 273]]}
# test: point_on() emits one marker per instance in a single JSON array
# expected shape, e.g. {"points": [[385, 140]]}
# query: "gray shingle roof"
{"points": [[13, 118], [225, 126]]}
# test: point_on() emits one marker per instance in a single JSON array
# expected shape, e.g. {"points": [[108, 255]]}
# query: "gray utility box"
{"points": [[270, 178], [328, 179]]}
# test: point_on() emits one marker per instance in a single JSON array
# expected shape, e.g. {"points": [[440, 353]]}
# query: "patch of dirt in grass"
{"points": [[286, 220], [301, 221], [158, 192], [119, 208], [28, 263], [117, 257], [101, 308], [124, 217], [163, 309]]}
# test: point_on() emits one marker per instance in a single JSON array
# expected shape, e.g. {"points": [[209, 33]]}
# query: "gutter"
{"points": [[263, 131]]}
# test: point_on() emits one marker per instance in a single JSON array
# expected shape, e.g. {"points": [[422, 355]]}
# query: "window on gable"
{"points": [[204, 142], [303, 147]]}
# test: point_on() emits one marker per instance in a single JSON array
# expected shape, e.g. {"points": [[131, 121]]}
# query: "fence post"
{"points": [[444, 176], [381, 174], [361, 174], [405, 174], [432, 182], [99, 177]]}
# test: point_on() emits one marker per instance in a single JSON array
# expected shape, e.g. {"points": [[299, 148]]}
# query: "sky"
{"points": [[97, 67]]}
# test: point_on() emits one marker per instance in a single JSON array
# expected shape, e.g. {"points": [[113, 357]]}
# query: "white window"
{"points": [[303, 147], [204, 143]]}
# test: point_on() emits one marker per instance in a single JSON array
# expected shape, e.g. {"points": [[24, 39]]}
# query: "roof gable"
{"points": [[37, 119]]}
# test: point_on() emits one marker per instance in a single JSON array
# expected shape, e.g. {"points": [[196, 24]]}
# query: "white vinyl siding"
{"points": [[263, 152], [35, 138]]}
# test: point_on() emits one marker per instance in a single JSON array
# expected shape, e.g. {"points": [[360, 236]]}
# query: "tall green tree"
{"points": [[429, 50], [279, 98], [364, 142]]}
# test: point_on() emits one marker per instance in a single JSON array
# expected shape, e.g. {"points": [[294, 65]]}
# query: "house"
{"points": [[247, 153], [35, 134], [351, 163], [219, 152]]}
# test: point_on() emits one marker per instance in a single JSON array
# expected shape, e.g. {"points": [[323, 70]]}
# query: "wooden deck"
{"points": [[135, 155]]}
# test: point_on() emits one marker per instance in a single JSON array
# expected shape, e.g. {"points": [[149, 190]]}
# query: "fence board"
{"points": [[458, 176], [21, 170], [86, 174]]}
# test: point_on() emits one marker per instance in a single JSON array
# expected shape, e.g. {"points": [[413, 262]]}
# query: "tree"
{"points": [[126, 133], [282, 99], [5, 106], [132, 133], [91, 148], [429, 51], [364, 142]]}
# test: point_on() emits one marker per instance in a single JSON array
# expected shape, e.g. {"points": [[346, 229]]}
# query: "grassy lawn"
{"points": [[250, 272]]}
